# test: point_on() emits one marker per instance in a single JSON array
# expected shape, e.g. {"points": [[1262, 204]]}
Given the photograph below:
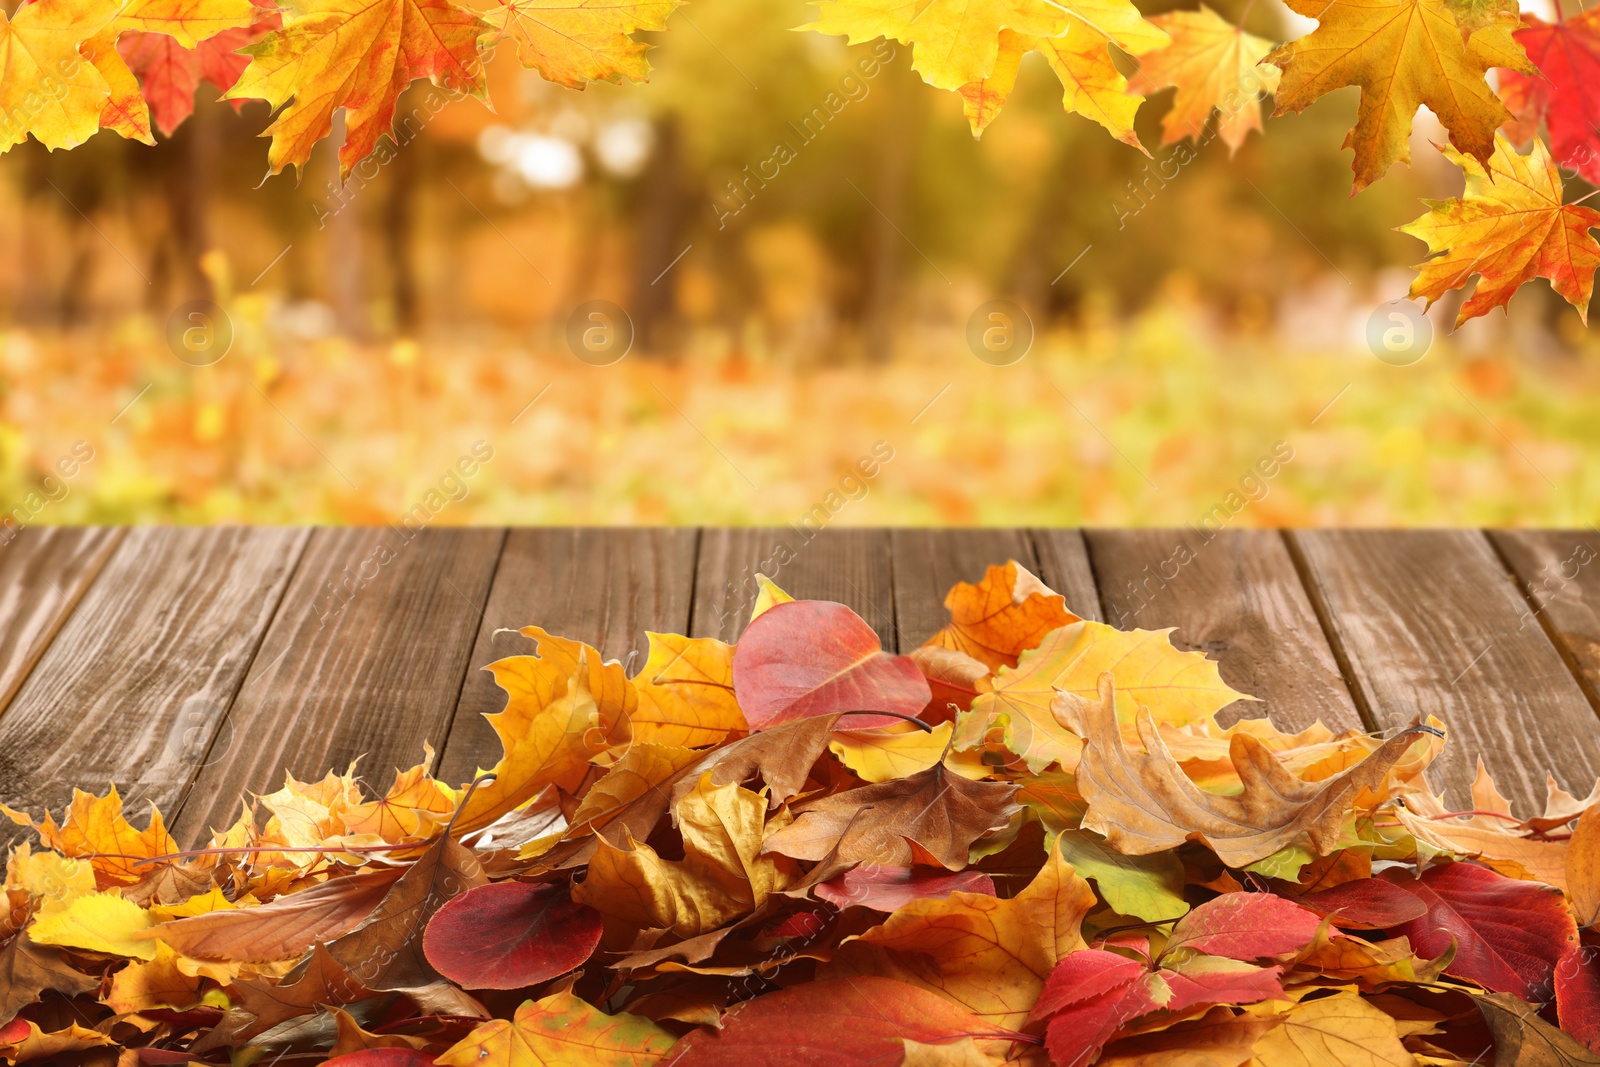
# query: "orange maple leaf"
{"points": [[1510, 227]]}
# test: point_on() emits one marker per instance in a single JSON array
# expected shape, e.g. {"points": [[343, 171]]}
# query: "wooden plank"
{"points": [[928, 562], [1064, 566], [1559, 573], [44, 572], [365, 659], [604, 587], [848, 566], [1428, 622], [137, 682], [1238, 599]]}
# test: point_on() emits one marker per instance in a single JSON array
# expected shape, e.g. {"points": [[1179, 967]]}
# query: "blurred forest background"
{"points": [[1188, 318]]}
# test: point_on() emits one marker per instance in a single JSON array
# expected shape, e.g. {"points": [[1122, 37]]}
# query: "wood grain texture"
{"points": [[44, 572], [1430, 623], [1065, 567], [604, 587], [1558, 572], [365, 658], [928, 562], [851, 567], [1238, 599], [138, 680]]}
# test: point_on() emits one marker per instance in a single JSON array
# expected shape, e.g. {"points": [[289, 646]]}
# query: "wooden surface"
{"points": [[189, 666]]}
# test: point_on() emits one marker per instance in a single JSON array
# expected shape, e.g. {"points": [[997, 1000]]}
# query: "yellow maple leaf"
{"points": [[1510, 227], [46, 87], [1216, 66], [358, 56], [94, 827], [686, 692], [953, 42], [157, 983], [1081, 59], [1404, 54], [574, 42]]}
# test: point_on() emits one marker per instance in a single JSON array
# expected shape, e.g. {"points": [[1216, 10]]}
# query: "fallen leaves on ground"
{"points": [[745, 874]]}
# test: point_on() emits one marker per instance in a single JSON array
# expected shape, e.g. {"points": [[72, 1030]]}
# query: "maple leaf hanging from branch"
{"points": [[1510, 227], [1404, 54]]}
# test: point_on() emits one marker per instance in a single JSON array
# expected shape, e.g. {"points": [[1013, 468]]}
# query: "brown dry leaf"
{"points": [[318, 980], [686, 693], [1143, 803], [284, 928], [989, 955], [722, 876], [1004, 615], [1341, 1030], [1522, 1039], [941, 812], [27, 970], [385, 950]]}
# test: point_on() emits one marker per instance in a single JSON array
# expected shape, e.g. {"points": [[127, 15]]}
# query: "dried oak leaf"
{"points": [[1510, 227], [1143, 803], [939, 811], [1002, 616], [1404, 54]]}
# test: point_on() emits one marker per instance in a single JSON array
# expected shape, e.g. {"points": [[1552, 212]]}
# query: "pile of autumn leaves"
{"points": [[1028, 841]]}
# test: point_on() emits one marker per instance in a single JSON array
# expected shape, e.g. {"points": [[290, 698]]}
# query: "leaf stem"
{"points": [[924, 727]]}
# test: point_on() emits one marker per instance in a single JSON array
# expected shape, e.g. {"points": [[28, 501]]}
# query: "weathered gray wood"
{"points": [[848, 566], [1237, 598], [135, 686], [1559, 574], [605, 587], [365, 658], [928, 562], [44, 572], [1064, 566], [1429, 623]]}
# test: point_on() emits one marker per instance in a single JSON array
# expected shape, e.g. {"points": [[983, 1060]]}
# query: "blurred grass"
{"points": [[1149, 421]]}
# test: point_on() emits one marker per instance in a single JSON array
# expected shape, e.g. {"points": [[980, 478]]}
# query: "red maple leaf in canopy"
{"points": [[168, 73], [1567, 98]]}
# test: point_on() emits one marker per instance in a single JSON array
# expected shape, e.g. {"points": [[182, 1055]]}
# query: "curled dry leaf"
{"points": [[935, 811], [1142, 802]]}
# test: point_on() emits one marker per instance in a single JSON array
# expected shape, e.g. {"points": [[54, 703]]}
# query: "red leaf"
{"points": [[384, 1057], [1083, 976], [1246, 926], [835, 1022], [887, 888], [1219, 981], [815, 657], [1567, 53], [1366, 904], [13, 1032], [1509, 934], [507, 935], [1578, 994]]}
